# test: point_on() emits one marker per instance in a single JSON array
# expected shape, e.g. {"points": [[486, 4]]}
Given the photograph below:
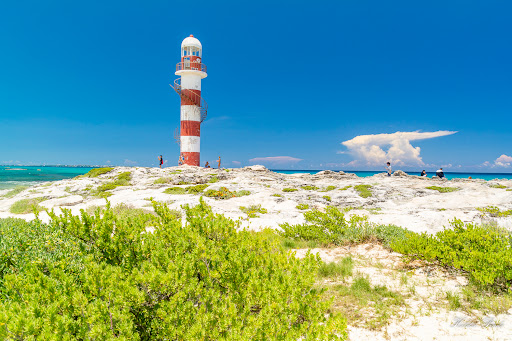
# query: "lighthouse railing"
{"points": [[191, 66], [192, 97]]}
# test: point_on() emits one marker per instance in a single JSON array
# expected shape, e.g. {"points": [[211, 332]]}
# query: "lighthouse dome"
{"points": [[191, 41]]}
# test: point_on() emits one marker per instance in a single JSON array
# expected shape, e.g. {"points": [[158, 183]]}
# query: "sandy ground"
{"points": [[399, 200]]}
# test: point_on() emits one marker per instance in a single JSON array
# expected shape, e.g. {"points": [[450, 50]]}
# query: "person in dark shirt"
{"points": [[160, 160], [423, 173], [440, 173]]}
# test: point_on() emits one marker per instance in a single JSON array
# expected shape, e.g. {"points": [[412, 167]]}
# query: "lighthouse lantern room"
{"points": [[193, 108]]}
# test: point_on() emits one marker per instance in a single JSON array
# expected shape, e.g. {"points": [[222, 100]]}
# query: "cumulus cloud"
{"points": [[372, 148], [503, 161], [275, 160], [129, 162], [238, 163]]}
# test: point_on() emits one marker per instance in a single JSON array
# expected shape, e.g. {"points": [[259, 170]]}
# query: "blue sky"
{"points": [[87, 82]]}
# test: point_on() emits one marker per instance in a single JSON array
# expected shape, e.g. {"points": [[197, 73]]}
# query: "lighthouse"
{"points": [[193, 108]]}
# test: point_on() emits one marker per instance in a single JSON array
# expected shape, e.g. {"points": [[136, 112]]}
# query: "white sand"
{"points": [[398, 200]]}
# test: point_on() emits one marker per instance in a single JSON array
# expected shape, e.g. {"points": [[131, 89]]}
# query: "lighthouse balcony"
{"points": [[193, 66]]}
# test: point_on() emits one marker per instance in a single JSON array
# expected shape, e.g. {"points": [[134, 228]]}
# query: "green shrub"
{"points": [[302, 206], [494, 211], [253, 210], [183, 183], [24, 206], [328, 188], [101, 277], [122, 179], [343, 268], [345, 188], [483, 252], [175, 190], [331, 227], [290, 189], [16, 190], [326, 197], [162, 180], [95, 172], [497, 186], [277, 195], [364, 191], [443, 189], [242, 193], [309, 188], [213, 179], [196, 189]]}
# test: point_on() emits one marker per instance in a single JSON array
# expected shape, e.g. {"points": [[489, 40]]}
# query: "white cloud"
{"points": [[371, 148], [238, 163], [129, 162], [275, 160], [503, 161]]}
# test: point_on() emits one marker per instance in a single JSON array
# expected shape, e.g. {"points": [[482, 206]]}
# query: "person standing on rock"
{"points": [[218, 162], [180, 160], [160, 160], [388, 168]]}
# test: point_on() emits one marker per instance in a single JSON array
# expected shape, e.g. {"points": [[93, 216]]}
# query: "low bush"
{"points": [[331, 227], [95, 172], [497, 186], [122, 179], [483, 252], [309, 188], [101, 277], [345, 188], [253, 210], [224, 193], [290, 189], [342, 269], [163, 180], [24, 206], [443, 189], [364, 191], [326, 197], [494, 211], [277, 195], [328, 188], [214, 179], [175, 190], [302, 206], [16, 190]]}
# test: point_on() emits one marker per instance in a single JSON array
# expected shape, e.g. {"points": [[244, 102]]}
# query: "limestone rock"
{"points": [[256, 168]]}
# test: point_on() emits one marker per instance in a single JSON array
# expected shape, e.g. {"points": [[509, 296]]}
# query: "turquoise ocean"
{"points": [[12, 176]]}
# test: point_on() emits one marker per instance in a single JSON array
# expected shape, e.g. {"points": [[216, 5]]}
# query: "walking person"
{"points": [[388, 168], [160, 161], [218, 162]]}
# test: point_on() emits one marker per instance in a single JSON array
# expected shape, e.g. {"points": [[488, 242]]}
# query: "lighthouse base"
{"points": [[191, 158]]}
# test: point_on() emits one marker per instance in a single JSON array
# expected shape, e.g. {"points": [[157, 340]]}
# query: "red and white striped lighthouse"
{"points": [[193, 107]]}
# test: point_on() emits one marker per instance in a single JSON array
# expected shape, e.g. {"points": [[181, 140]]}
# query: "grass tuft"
{"points": [[443, 189], [95, 172], [25, 206], [16, 190], [290, 189], [342, 269], [364, 191]]}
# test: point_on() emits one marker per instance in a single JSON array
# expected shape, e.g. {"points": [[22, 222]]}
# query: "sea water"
{"points": [[12, 176], [448, 175]]}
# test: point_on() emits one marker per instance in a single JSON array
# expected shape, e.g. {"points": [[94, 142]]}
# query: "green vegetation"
{"points": [[163, 180], [24, 206], [309, 188], [331, 227], [253, 210], [328, 188], [345, 188], [186, 190], [443, 189], [290, 189], [494, 211], [364, 191], [342, 269], [105, 277], [224, 193], [302, 206], [16, 190], [326, 197], [277, 195], [95, 172], [497, 186], [214, 179], [122, 179], [351, 300]]}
